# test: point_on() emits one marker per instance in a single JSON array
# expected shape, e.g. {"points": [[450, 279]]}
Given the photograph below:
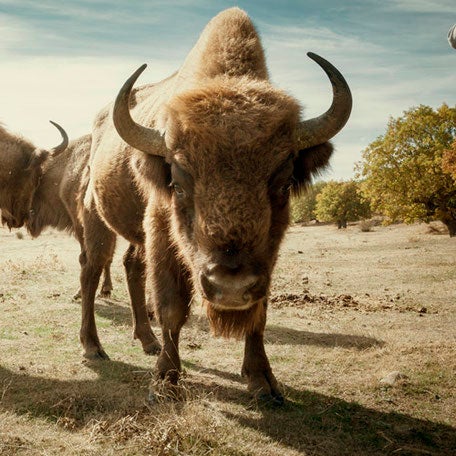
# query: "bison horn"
{"points": [[64, 144], [142, 138], [322, 128]]}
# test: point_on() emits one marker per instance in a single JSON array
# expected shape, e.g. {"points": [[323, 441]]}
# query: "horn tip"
{"points": [[314, 57]]}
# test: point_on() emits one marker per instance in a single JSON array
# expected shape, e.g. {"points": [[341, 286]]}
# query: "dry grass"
{"points": [[348, 308]]}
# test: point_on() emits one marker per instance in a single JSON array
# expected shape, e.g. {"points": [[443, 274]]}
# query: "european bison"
{"points": [[20, 174], [39, 188], [200, 188]]}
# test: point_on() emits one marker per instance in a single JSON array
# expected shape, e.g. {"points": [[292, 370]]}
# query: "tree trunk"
{"points": [[450, 222]]}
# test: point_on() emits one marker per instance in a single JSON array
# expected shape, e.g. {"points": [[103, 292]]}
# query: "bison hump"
{"points": [[229, 45]]}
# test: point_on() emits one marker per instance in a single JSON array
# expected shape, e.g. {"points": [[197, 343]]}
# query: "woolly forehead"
{"points": [[229, 121]]}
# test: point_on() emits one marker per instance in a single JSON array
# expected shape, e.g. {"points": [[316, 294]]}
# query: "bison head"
{"points": [[24, 168], [235, 149]]}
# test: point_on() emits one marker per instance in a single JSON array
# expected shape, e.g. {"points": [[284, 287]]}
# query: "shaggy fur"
{"points": [[208, 217], [41, 191], [20, 173], [236, 323]]}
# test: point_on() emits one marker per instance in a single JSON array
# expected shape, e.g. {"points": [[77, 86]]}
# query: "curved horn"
{"points": [[322, 128], [63, 145], [142, 138]]}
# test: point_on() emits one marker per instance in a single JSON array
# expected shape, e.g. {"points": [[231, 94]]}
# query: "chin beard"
{"points": [[236, 323]]}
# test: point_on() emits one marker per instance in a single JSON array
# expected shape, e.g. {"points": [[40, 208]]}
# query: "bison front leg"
{"points": [[172, 303], [99, 244], [106, 288], [135, 269], [257, 370], [170, 292]]}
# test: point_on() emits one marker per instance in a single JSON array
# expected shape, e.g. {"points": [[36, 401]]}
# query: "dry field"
{"points": [[348, 308]]}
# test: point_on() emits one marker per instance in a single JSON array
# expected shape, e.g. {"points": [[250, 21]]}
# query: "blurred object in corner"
{"points": [[452, 36]]}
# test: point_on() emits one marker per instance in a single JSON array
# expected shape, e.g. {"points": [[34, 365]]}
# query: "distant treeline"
{"points": [[407, 174]]}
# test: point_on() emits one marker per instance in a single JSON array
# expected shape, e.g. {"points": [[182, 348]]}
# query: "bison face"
{"points": [[21, 186], [236, 147], [229, 224], [25, 169], [229, 219]]}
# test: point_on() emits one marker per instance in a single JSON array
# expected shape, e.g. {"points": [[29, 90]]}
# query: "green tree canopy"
{"points": [[449, 161], [402, 170], [303, 206], [341, 202]]}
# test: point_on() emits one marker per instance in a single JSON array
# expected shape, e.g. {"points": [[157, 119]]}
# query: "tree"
{"points": [[449, 161], [341, 202], [303, 206], [402, 170]]}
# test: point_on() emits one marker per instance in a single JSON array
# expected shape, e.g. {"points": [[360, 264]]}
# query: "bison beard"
{"points": [[236, 323]]}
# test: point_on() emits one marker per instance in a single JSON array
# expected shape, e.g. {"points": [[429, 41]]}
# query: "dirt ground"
{"points": [[361, 335]]}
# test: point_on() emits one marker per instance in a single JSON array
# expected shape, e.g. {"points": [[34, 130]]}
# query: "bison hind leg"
{"points": [[135, 270], [106, 287]]}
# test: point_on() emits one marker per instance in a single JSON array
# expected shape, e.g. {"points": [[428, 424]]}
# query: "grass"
{"points": [[327, 350]]}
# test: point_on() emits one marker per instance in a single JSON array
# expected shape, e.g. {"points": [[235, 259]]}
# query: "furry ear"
{"points": [[38, 157], [310, 162]]}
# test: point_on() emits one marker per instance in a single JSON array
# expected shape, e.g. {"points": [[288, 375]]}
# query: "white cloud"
{"points": [[14, 33], [70, 92], [422, 6]]}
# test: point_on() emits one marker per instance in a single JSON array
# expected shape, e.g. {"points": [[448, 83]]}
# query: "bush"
{"points": [[340, 203], [302, 207]]}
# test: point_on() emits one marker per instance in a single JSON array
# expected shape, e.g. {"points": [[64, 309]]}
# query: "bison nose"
{"points": [[17, 222], [227, 287]]}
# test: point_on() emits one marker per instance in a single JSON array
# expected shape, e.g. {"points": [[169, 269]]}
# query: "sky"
{"points": [[64, 60]]}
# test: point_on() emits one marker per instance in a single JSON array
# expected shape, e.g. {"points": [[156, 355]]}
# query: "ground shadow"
{"points": [[120, 315], [311, 423], [287, 336], [115, 310], [321, 425]]}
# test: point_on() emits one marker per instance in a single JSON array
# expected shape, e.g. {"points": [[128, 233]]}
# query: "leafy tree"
{"points": [[341, 202], [402, 170], [303, 206], [449, 161]]}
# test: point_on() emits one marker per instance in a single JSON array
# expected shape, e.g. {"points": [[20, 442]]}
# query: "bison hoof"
{"points": [[77, 296], [171, 376], [153, 348], [164, 390], [104, 294], [273, 399], [96, 354]]}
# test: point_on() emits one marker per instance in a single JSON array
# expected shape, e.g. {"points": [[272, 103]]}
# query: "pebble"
{"points": [[393, 377]]}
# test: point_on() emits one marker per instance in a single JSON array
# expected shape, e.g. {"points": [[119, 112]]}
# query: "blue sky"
{"points": [[64, 60]]}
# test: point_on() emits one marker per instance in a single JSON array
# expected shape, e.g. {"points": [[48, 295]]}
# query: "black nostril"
{"points": [[231, 251]]}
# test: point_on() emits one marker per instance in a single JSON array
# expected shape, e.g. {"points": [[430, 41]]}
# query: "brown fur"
{"points": [[215, 209], [20, 174], [41, 191], [236, 323]]}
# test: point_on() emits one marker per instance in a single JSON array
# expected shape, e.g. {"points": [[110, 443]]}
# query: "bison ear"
{"points": [[310, 162], [38, 157]]}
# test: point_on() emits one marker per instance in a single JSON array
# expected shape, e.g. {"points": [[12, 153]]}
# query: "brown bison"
{"points": [[199, 185], [38, 187], [20, 174]]}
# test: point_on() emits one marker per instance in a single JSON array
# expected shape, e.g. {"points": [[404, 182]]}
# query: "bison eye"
{"points": [[178, 190], [285, 189]]}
